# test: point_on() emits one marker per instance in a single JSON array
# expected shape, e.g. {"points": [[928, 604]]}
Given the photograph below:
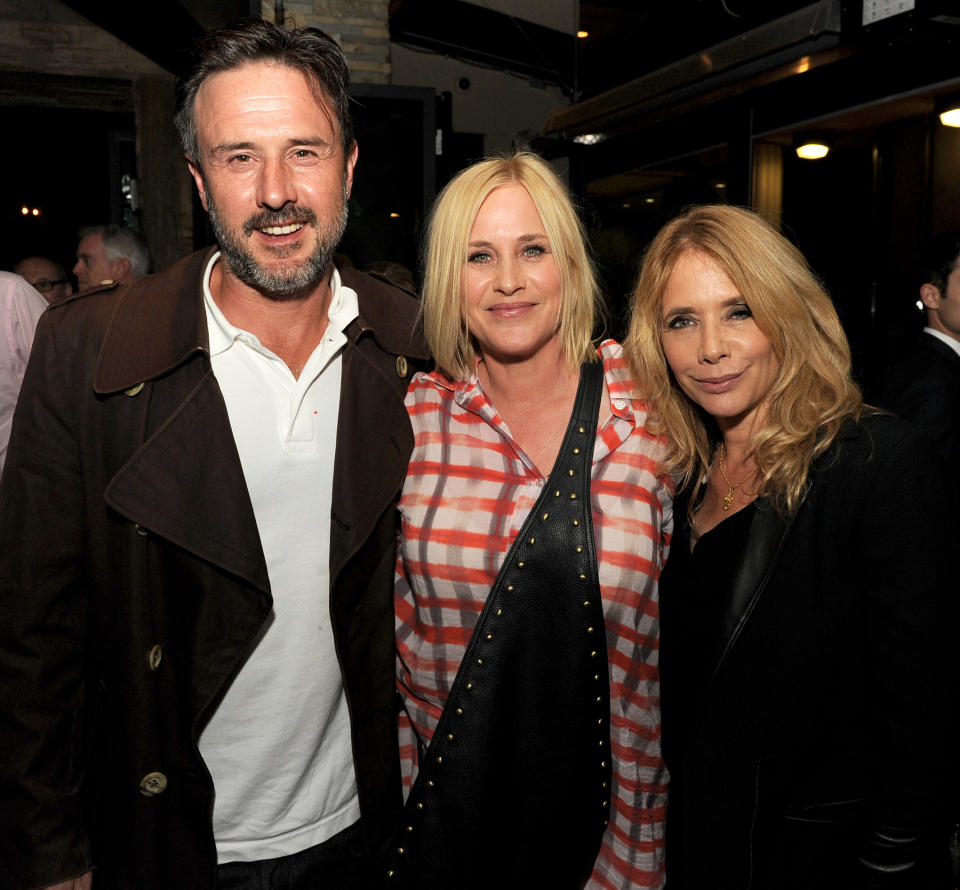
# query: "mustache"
{"points": [[282, 217]]}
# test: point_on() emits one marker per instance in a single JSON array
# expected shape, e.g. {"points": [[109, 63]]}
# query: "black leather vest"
{"points": [[514, 788]]}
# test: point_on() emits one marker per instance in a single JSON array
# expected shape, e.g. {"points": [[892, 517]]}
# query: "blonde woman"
{"points": [[805, 609], [534, 526]]}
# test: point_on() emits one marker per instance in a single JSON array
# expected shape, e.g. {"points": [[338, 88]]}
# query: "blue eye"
{"points": [[534, 250], [679, 321], [741, 312], [480, 257]]}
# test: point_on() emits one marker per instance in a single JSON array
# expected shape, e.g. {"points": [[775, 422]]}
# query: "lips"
{"points": [[719, 384], [510, 310], [282, 230]]}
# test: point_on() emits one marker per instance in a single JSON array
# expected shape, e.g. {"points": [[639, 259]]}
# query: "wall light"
{"points": [[589, 138], [581, 34], [949, 110], [811, 146]]}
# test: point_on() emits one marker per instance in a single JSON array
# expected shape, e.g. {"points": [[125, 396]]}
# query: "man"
{"points": [[924, 386], [46, 276], [20, 309], [108, 254], [198, 526]]}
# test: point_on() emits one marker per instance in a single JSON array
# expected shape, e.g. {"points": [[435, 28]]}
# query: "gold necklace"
{"points": [[731, 487]]}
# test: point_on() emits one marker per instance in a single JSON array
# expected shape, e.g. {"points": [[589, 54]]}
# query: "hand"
{"points": [[84, 882]]}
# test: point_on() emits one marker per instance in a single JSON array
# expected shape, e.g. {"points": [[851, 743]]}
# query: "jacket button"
{"points": [[155, 657], [402, 366], [153, 784], [134, 390], [141, 530]]}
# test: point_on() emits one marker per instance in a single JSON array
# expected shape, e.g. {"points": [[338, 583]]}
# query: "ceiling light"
{"points": [[949, 110], [589, 138], [811, 146]]}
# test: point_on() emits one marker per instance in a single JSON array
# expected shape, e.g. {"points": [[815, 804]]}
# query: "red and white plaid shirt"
{"points": [[468, 491]]}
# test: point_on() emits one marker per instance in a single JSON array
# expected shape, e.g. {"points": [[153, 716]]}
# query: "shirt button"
{"points": [[154, 657], [619, 404], [540, 483]]}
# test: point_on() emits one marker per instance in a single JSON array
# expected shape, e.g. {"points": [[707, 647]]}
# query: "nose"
{"points": [[713, 345], [276, 187], [509, 276], [77, 268]]}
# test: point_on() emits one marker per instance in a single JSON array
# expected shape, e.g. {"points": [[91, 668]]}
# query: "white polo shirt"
{"points": [[278, 746]]}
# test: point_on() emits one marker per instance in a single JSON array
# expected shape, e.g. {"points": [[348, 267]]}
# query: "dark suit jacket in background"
{"points": [[824, 715], [133, 584], [924, 388]]}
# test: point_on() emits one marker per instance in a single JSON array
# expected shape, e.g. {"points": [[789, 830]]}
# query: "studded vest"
{"points": [[514, 788]]}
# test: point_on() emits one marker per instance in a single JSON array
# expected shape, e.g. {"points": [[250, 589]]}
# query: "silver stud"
{"points": [[599, 699], [479, 661], [449, 736], [601, 743], [400, 850], [499, 612], [589, 630], [390, 873], [573, 495], [556, 494], [595, 677], [469, 686], [579, 549], [576, 450], [439, 758], [545, 517], [593, 654], [520, 564], [569, 472], [533, 540], [603, 764], [509, 588], [430, 782], [459, 714], [599, 723], [576, 522], [586, 602], [583, 577], [582, 429], [489, 637]]}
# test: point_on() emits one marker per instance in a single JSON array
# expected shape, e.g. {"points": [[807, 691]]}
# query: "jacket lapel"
{"points": [[184, 482], [765, 540]]}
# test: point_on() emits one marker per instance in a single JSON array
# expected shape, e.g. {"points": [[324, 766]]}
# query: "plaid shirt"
{"points": [[468, 491]]}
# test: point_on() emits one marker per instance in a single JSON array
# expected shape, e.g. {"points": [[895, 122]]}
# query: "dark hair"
{"points": [[938, 260], [119, 242], [310, 51]]}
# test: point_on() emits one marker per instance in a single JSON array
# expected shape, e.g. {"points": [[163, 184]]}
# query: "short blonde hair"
{"points": [[445, 259], [812, 394]]}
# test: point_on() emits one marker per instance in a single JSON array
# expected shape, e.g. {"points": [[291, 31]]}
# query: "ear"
{"points": [[351, 163], [120, 268], [930, 296], [197, 175]]}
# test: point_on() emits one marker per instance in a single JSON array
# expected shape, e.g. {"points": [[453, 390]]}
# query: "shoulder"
{"points": [[389, 313]]}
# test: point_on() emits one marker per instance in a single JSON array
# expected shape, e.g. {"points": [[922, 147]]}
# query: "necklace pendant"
{"points": [[727, 500]]}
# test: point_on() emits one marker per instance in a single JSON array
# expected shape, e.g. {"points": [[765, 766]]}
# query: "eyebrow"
{"points": [[523, 238], [738, 300], [226, 147]]}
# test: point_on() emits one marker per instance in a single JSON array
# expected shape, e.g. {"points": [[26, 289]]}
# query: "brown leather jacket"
{"points": [[132, 581]]}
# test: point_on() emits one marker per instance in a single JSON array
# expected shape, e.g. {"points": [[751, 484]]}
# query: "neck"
{"points": [[543, 376]]}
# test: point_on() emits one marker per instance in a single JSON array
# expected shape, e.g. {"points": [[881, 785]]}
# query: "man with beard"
{"points": [[198, 525]]}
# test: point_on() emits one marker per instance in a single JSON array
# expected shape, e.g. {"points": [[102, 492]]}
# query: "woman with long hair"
{"points": [[806, 604]]}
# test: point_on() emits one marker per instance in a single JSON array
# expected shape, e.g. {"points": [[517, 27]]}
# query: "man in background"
{"points": [[110, 253], [20, 309], [924, 386], [46, 276]]}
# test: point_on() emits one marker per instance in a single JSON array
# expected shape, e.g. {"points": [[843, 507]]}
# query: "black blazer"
{"points": [[814, 724], [924, 388]]}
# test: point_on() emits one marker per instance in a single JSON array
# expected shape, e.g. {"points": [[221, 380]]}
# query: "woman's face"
{"points": [[511, 280], [718, 355]]}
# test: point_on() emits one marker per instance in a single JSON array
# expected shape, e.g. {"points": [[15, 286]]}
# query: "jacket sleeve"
{"points": [[902, 553], [42, 630]]}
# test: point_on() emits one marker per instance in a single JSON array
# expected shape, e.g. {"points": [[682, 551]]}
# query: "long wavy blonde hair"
{"points": [[448, 234], [812, 394]]}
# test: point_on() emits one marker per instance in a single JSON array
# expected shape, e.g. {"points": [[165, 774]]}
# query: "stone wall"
{"points": [[359, 26]]}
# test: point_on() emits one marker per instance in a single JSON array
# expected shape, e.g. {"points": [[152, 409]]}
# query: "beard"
{"points": [[290, 280]]}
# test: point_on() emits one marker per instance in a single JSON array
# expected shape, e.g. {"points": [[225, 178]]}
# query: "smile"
{"points": [[718, 384], [510, 310], [282, 230]]}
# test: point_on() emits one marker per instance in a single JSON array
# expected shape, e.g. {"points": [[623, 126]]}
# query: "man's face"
{"points": [[92, 265], [949, 309], [45, 277], [272, 175]]}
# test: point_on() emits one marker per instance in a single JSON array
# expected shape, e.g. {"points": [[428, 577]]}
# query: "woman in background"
{"points": [[533, 531], [806, 606]]}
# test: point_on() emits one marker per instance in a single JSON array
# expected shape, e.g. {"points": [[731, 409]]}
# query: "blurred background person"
{"points": [[20, 309], [533, 530], [110, 253], [46, 276], [805, 608], [924, 385]]}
